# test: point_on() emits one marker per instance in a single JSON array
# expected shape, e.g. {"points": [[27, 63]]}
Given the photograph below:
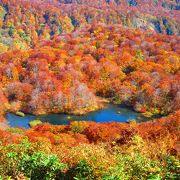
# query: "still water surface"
{"points": [[109, 114]]}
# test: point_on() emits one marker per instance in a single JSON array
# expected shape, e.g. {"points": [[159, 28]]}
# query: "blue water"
{"points": [[108, 114]]}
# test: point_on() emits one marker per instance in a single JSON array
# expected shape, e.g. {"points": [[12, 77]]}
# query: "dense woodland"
{"points": [[24, 22], [70, 72], [70, 56]]}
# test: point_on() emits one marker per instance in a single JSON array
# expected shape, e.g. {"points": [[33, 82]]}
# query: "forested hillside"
{"points": [[24, 22], [68, 72], [73, 57]]}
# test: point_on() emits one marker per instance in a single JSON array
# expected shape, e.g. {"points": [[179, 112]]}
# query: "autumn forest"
{"points": [[74, 57]]}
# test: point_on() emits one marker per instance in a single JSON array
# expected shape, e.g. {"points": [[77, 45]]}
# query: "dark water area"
{"points": [[111, 113]]}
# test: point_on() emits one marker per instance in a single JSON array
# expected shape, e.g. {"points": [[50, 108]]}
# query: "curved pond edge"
{"points": [[110, 113]]}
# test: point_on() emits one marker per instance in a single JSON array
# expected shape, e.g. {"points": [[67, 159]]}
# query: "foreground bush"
{"points": [[24, 160], [101, 161]]}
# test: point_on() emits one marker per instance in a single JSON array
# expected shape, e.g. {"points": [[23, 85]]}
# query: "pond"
{"points": [[111, 113]]}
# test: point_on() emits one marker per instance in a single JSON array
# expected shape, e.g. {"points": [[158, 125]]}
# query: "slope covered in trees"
{"points": [[68, 56], [24, 22], [67, 73]]}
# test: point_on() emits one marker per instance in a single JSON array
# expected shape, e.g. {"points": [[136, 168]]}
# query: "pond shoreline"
{"points": [[109, 113]]}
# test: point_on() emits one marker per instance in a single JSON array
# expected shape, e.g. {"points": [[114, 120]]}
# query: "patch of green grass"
{"points": [[35, 122], [18, 113]]}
